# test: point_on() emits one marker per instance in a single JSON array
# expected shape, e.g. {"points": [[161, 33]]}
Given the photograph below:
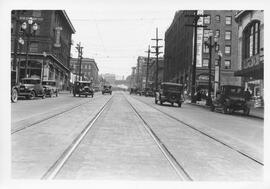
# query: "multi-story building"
{"points": [[109, 78], [89, 69], [250, 47], [132, 83], [141, 72], [179, 49], [46, 52]]}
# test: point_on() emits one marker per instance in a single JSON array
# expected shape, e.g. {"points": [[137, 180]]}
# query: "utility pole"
{"points": [[195, 26], [147, 66], [79, 49], [157, 53]]}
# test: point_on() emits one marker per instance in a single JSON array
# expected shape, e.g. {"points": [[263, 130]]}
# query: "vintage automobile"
{"points": [[50, 88], [30, 88], [148, 92], [170, 92], [83, 88], [107, 89], [231, 98]]}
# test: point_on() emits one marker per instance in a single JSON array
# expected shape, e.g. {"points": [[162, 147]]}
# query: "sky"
{"points": [[116, 37]]}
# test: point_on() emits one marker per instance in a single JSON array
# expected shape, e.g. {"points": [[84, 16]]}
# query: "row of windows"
{"points": [[228, 19], [84, 66], [227, 63], [228, 34], [227, 49]]}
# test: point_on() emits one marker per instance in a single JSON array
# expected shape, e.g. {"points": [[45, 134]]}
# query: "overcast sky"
{"points": [[115, 38]]}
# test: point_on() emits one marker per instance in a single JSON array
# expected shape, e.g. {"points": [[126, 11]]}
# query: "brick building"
{"points": [[89, 69], [47, 52], [179, 49], [251, 50]]}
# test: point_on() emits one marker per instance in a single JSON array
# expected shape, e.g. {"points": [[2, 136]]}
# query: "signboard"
{"points": [[199, 40], [57, 36]]}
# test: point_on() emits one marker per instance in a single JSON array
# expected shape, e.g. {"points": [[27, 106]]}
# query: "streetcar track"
{"points": [[46, 117], [60, 162], [205, 134], [168, 155]]}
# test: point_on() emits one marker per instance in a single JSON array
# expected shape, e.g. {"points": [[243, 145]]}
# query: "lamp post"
{"points": [[219, 67], [29, 29], [208, 43], [21, 43]]}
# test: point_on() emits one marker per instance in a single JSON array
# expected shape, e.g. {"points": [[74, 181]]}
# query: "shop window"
{"points": [[227, 64], [228, 35], [217, 34], [205, 62], [205, 49], [251, 39], [228, 20], [217, 48]]}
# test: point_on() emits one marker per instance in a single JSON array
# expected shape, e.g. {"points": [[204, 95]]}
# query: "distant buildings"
{"points": [[109, 78], [89, 69], [251, 50], [44, 48]]}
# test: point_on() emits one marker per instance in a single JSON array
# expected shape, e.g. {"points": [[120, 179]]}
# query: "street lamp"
{"points": [[208, 43], [29, 29]]}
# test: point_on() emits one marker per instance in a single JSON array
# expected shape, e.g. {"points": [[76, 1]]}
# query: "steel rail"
{"points": [[59, 163], [47, 118], [168, 155], [206, 134]]}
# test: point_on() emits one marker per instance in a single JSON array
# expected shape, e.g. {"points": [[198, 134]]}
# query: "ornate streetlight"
{"points": [[29, 30], [210, 45]]}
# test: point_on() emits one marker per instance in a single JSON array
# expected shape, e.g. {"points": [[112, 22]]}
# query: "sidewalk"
{"points": [[254, 112], [64, 92]]}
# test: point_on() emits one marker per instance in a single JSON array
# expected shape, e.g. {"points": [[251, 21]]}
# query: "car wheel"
{"points": [[32, 95], [172, 104], [92, 96], [56, 94], [179, 104], [246, 111], [43, 96], [212, 108], [74, 94], [224, 109], [14, 95], [50, 95], [79, 95], [156, 101], [85, 96], [161, 103]]}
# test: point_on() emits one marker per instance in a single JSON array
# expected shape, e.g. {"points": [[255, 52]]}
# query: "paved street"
{"points": [[129, 137]]}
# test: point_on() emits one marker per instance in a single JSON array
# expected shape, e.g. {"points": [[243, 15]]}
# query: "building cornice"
{"points": [[68, 20]]}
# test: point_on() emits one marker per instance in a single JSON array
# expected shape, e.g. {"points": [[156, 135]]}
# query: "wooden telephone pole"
{"points": [[79, 49], [195, 26], [157, 53]]}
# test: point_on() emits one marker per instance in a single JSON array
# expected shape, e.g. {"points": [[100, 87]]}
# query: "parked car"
{"points": [[170, 92], [149, 92], [83, 88], [30, 88], [50, 88], [107, 89], [231, 98]]}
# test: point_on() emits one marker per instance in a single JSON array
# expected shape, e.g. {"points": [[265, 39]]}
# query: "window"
{"points": [[217, 33], [228, 20], [216, 62], [217, 48], [228, 35], [227, 64], [205, 49], [228, 49], [205, 62], [33, 47], [207, 20], [217, 18], [251, 40]]}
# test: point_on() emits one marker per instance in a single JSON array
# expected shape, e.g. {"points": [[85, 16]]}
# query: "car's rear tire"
{"points": [[212, 108], [179, 104], [246, 111], [14, 95], [171, 103], [56, 94], [224, 109], [85, 96], [32, 95], [156, 101]]}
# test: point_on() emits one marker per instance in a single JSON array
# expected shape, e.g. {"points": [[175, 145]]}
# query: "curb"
{"points": [[207, 107]]}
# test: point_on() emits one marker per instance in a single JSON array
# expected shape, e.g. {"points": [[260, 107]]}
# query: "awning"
{"points": [[255, 72]]}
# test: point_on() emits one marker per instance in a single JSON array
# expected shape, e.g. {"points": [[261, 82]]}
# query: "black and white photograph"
{"points": [[168, 93]]}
